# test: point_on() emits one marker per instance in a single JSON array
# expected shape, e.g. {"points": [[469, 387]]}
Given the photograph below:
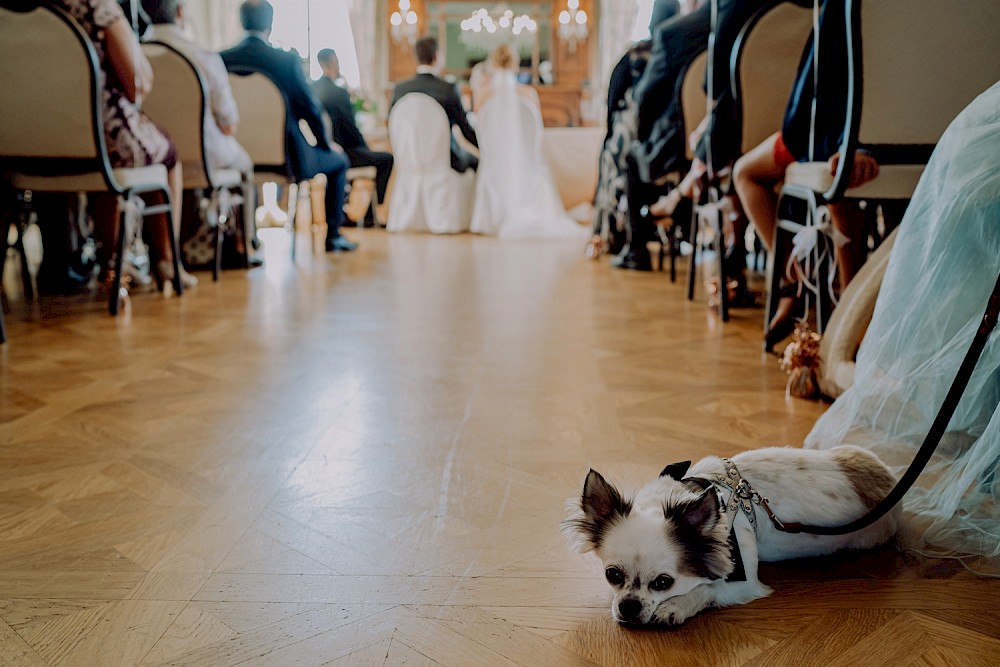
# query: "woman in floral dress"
{"points": [[132, 139]]}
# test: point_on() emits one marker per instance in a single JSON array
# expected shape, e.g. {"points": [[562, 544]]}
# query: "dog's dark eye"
{"points": [[661, 583], [615, 576]]}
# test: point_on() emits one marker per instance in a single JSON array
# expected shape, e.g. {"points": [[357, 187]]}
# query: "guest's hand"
{"points": [[865, 168]]}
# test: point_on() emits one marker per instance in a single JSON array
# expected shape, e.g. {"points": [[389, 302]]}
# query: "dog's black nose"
{"points": [[629, 609]]}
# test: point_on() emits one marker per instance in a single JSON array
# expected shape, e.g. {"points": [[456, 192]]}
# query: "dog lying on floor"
{"points": [[687, 541]]}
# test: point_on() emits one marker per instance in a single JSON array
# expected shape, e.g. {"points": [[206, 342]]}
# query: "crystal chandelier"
{"points": [[403, 24], [572, 25], [485, 30]]}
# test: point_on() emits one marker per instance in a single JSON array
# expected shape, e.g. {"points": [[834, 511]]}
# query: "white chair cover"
{"points": [[427, 194]]}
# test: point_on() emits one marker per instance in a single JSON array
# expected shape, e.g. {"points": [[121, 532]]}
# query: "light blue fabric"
{"points": [[941, 272]]}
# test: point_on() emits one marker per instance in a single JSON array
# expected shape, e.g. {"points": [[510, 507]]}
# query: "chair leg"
{"points": [[824, 300], [116, 278], [217, 264], [672, 248], [720, 253], [293, 206], [174, 245], [692, 270], [3, 297], [26, 279]]}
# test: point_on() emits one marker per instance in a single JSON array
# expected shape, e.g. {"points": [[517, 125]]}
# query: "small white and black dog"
{"points": [[687, 541]]}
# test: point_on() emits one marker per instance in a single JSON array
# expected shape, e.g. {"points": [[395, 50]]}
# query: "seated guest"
{"points": [[132, 139], [718, 138], [446, 94], [337, 102], [255, 55], [757, 173], [658, 148], [221, 115]]}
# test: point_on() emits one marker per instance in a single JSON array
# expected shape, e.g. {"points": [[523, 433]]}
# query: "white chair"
{"points": [[178, 105], [261, 132], [762, 69], [428, 195], [52, 132], [912, 69]]}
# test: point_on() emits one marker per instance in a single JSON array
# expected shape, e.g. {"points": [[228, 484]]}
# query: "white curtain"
{"points": [[363, 15], [215, 23], [615, 36]]}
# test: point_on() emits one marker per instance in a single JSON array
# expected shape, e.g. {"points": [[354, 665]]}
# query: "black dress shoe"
{"points": [[639, 260], [254, 262], [341, 244]]}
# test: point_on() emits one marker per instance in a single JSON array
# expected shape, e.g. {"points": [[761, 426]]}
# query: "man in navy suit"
{"points": [[337, 102], [446, 94], [255, 55]]}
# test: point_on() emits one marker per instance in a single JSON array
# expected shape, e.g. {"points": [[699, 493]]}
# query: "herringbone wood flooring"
{"points": [[364, 459]]}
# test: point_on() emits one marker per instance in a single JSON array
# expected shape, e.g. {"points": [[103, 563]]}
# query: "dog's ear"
{"points": [[702, 513], [601, 505], [676, 470]]}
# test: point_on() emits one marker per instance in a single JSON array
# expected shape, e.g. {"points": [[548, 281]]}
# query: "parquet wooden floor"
{"points": [[364, 460]]}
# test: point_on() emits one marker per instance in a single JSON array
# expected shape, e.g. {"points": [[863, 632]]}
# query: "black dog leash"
{"points": [[930, 443]]}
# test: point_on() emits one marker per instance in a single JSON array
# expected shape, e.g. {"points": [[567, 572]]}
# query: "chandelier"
{"points": [[403, 24], [572, 25], [485, 30]]}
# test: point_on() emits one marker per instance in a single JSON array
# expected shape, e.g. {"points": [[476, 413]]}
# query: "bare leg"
{"points": [[161, 241], [755, 176], [847, 219]]}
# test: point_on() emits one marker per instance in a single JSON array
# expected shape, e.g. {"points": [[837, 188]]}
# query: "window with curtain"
{"points": [[311, 25], [640, 29]]}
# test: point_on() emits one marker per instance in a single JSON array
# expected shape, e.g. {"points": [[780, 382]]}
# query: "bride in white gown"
{"points": [[516, 196]]}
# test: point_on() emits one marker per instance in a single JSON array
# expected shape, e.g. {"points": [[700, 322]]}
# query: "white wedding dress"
{"points": [[516, 197], [941, 270]]}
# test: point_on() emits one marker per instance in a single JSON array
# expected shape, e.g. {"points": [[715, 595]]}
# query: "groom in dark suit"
{"points": [[256, 55], [446, 94]]}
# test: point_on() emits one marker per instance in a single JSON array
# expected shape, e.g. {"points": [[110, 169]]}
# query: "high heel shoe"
{"points": [[783, 323], [166, 271]]}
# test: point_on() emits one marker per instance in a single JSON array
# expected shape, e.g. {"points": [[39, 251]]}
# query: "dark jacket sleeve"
{"points": [[676, 43], [346, 131], [456, 113], [621, 81], [304, 104]]}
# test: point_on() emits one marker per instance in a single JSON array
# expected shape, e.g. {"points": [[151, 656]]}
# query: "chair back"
{"points": [[922, 63], [262, 120], [693, 101], [177, 104], [913, 65], [764, 62], [49, 98], [420, 134]]}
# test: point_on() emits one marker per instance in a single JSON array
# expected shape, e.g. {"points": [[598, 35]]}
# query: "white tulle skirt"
{"points": [[941, 272], [516, 196]]}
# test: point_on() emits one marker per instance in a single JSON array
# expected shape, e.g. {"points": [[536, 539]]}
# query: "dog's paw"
{"points": [[672, 613]]}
